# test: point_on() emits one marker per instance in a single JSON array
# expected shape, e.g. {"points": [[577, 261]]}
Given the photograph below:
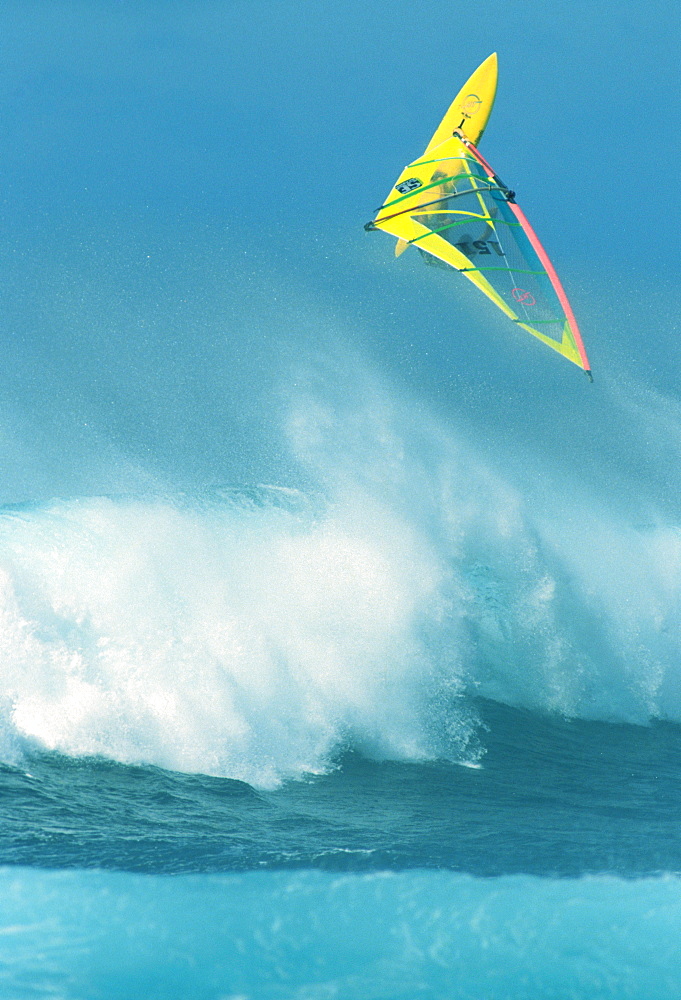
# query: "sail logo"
{"points": [[473, 247], [520, 295], [411, 184], [470, 105]]}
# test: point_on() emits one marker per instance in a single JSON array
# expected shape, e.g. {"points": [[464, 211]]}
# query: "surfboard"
{"points": [[470, 110]]}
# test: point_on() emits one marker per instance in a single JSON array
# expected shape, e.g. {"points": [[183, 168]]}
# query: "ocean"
{"points": [[340, 622], [259, 747]]}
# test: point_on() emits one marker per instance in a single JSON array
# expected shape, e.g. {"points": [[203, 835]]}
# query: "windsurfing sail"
{"points": [[453, 207]]}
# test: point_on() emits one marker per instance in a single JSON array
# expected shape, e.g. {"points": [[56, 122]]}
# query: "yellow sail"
{"points": [[453, 207]]}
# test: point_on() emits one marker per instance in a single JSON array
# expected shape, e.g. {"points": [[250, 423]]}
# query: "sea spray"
{"points": [[257, 634], [556, 600], [249, 641]]}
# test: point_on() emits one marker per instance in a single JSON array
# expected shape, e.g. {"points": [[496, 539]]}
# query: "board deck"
{"points": [[470, 110]]}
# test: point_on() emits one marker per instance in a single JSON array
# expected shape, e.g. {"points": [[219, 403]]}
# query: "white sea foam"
{"points": [[238, 640], [254, 634]]}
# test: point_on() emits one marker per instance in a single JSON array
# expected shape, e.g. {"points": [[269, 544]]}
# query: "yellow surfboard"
{"points": [[468, 113], [470, 110]]}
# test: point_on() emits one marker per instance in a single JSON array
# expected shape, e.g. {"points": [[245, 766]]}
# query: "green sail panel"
{"points": [[476, 217], [452, 207]]}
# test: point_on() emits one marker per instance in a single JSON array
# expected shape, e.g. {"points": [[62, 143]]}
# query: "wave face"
{"points": [[277, 935], [255, 634]]}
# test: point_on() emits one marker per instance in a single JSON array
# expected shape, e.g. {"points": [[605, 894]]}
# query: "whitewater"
{"points": [[255, 633]]}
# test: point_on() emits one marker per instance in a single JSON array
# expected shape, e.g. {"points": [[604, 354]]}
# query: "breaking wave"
{"points": [[256, 633]]}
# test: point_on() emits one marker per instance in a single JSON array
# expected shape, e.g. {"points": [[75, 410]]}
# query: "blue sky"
{"points": [[302, 108], [183, 191]]}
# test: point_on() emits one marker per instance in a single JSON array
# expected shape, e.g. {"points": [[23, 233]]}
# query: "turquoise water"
{"points": [[340, 624], [552, 799], [311, 934]]}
